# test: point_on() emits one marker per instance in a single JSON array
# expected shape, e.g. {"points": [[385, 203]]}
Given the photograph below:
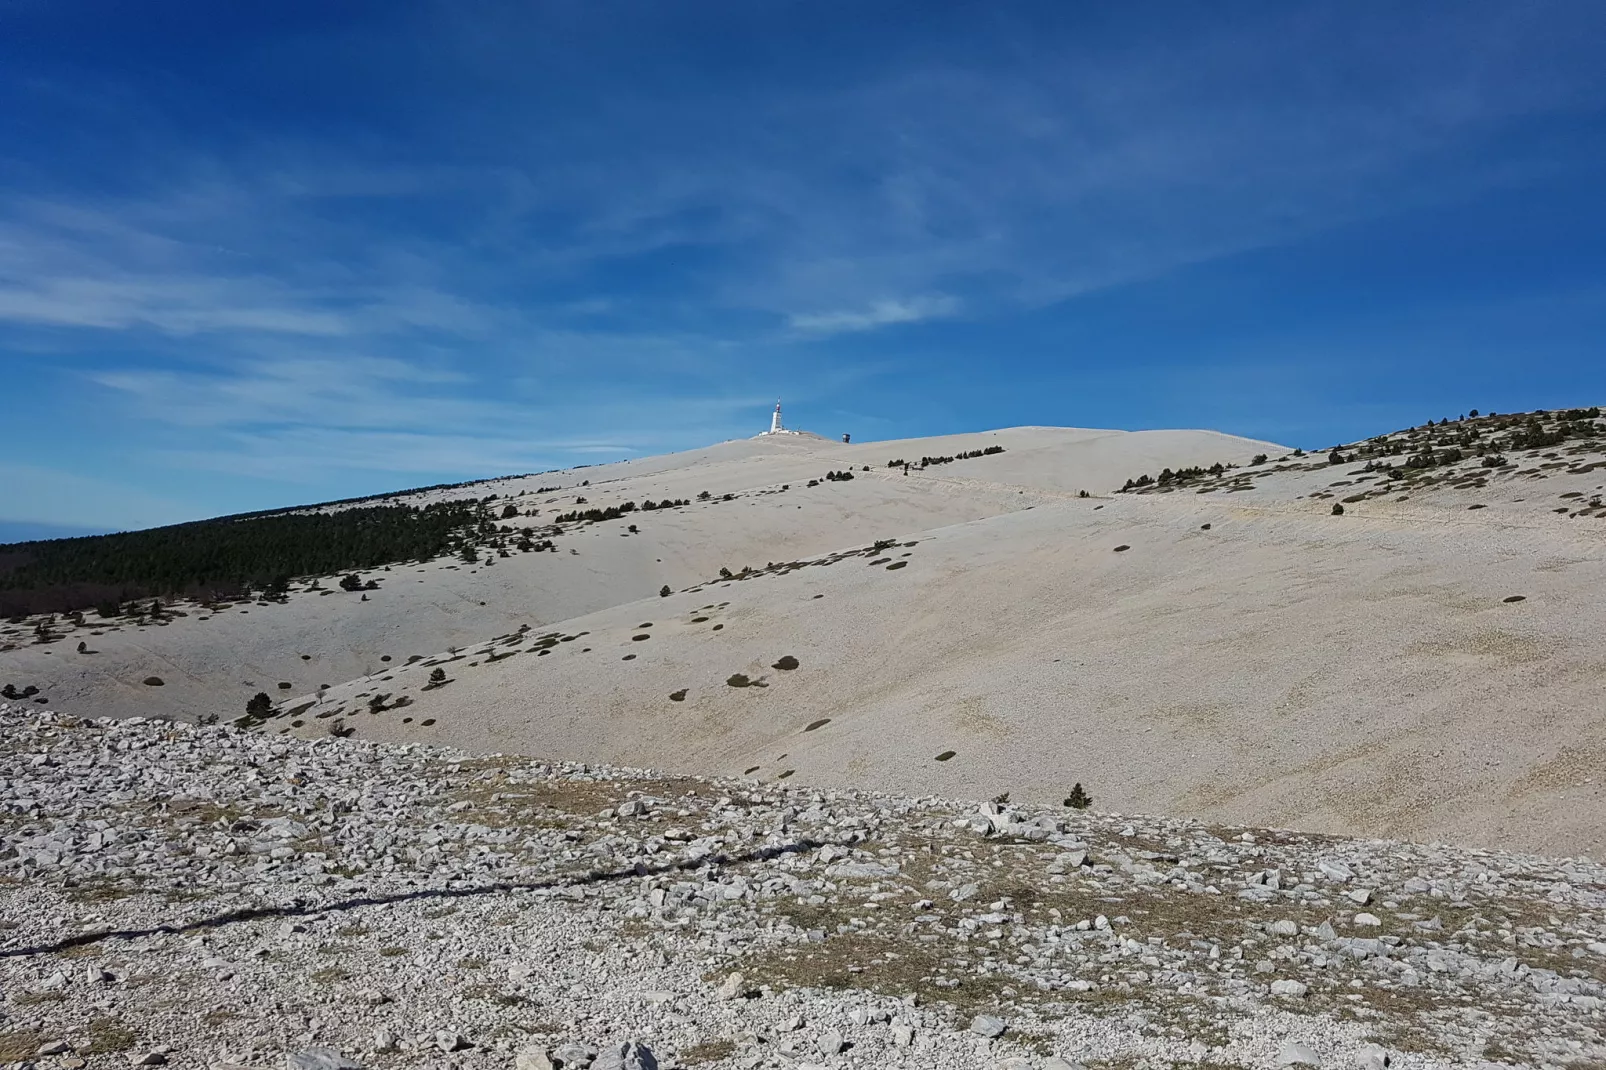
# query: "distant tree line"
{"points": [[1436, 444], [926, 462], [1169, 478], [228, 556], [614, 512]]}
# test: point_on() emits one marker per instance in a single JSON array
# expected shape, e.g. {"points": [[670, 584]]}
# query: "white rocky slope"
{"points": [[211, 659], [199, 896]]}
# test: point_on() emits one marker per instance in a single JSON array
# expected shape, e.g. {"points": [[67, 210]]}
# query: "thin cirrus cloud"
{"points": [[877, 314], [351, 391]]}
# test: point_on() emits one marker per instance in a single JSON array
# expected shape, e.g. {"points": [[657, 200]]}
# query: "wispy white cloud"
{"points": [[877, 314], [643, 270], [304, 420]]}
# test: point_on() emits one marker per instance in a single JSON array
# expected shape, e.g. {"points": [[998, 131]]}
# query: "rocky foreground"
{"points": [[199, 896]]}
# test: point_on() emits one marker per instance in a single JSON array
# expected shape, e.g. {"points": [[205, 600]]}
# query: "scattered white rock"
{"points": [[1373, 1057], [625, 1056], [420, 927], [1293, 1053], [319, 1059], [986, 1025], [734, 986], [534, 1058]]}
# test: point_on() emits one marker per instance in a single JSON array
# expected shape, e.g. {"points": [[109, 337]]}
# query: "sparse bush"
{"points": [[1338, 509], [437, 676], [1078, 799], [1260, 458], [259, 705], [786, 664], [664, 591]]}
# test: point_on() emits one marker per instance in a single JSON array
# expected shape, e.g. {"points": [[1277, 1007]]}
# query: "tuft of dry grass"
{"points": [[708, 1051], [18, 1046]]}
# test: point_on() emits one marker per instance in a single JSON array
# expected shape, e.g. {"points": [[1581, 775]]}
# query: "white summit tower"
{"points": [[778, 428]]}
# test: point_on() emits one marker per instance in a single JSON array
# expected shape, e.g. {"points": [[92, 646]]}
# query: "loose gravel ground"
{"points": [[201, 896]]}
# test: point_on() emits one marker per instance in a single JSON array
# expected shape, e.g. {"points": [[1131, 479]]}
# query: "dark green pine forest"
{"points": [[230, 556]]}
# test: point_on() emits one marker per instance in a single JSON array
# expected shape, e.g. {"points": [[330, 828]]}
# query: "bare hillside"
{"points": [[1425, 664], [758, 507], [1401, 637]]}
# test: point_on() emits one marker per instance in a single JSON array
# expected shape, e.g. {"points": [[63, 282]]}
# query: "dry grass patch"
{"points": [[109, 1036], [19, 1046], [708, 1051]]}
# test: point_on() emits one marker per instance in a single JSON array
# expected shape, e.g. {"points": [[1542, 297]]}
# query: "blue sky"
{"points": [[257, 255]]}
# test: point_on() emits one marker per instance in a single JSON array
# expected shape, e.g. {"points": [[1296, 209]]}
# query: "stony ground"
{"points": [[200, 896]]}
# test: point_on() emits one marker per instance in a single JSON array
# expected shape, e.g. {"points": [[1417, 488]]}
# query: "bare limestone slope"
{"points": [[1401, 638], [211, 660], [1426, 665], [204, 897]]}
